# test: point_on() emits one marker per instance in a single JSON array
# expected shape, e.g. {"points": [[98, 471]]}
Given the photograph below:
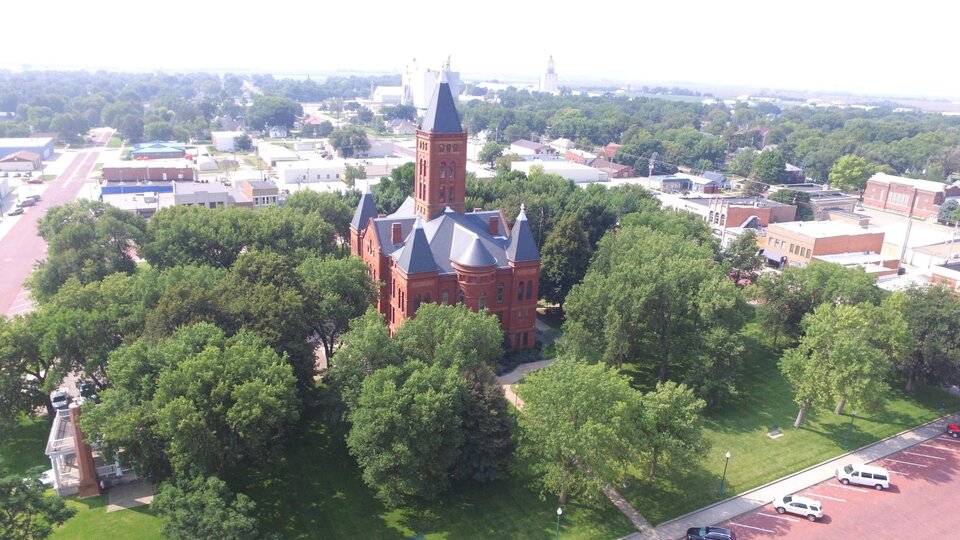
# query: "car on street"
{"points": [[801, 506], [26, 202], [59, 399], [953, 430], [710, 533], [88, 390], [35, 180], [32, 198], [16, 211]]}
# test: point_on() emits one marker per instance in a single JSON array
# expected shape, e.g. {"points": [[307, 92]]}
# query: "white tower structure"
{"points": [[548, 81], [419, 83]]}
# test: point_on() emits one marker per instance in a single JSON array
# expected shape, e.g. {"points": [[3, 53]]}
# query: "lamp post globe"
{"points": [[559, 513]]}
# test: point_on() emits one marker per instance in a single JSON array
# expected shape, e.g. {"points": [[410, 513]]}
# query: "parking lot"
{"points": [[921, 503]]}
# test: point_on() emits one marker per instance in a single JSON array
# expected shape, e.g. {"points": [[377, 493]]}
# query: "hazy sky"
{"points": [[903, 48]]}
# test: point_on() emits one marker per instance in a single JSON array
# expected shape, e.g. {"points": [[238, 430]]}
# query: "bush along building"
{"points": [[432, 250]]}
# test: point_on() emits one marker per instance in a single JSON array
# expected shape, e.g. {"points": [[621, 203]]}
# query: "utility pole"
{"points": [[906, 238]]}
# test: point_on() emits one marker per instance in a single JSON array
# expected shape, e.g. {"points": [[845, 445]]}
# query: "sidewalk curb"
{"points": [[768, 484]]}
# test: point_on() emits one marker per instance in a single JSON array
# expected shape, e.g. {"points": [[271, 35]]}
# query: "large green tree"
{"points": [[932, 314], [672, 426], [86, 240], [564, 259], [845, 355], [741, 253], [579, 426], [768, 167], [350, 141], [656, 299], [406, 433], [198, 402], [27, 512], [269, 111], [783, 299], [198, 507], [851, 173], [335, 292]]}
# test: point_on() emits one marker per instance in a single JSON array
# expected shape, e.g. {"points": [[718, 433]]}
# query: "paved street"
{"points": [[20, 247]]}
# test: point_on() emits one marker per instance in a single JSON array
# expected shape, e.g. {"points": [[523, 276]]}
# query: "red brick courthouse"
{"points": [[432, 250]]}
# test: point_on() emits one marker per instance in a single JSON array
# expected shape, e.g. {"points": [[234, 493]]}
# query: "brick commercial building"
{"points": [[725, 212], [154, 170], [796, 243], [900, 195], [432, 250]]}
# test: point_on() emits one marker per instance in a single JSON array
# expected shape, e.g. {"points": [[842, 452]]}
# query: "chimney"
{"points": [[395, 233], [89, 484], [493, 226]]}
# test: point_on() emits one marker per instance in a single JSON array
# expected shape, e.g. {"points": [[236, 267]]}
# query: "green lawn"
{"points": [[741, 428], [317, 491], [93, 521], [24, 448], [115, 142]]}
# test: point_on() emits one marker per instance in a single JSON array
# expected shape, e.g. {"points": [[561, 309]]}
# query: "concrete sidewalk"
{"points": [[730, 508]]}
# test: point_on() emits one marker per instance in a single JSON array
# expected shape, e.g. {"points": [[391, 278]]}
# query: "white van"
{"points": [[864, 475]]}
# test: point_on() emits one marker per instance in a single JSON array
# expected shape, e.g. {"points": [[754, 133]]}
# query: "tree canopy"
{"points": [[27, 512]]}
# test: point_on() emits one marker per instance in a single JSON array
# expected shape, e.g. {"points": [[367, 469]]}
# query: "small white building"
{"points": [[278, 132], [310, 171], [567, 169], [388, 95], [531, 150], [225, 141], [275, 153]]}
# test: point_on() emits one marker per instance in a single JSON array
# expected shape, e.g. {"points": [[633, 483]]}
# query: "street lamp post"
{"points": [[724, 478], [559, 513]]}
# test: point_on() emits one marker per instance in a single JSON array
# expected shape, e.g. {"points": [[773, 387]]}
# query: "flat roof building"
{"points": [[908, 196], [797, 243], [42, 146]]}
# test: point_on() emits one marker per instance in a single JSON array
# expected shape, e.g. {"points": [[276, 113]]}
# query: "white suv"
{"points": [[864, 475], [801, 506]]}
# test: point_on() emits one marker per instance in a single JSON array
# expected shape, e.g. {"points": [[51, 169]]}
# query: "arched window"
{"points": [[520, 291], [529, 289], [524, 339], [453, 168], [499, 293], [445, 297], [460, 296], [443, 169], [482, 302], [451, 199], [442, 193], [416, 302], [426, 298]]}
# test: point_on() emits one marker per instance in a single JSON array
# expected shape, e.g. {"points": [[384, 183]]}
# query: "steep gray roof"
{"points": [[415, 256], [442, 116], [522, 247], [365, 210], [476, 255]]}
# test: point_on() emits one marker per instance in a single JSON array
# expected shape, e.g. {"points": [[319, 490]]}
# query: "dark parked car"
{"points": [[953, 430], [16, 211], [88, 390], [710, 533]]}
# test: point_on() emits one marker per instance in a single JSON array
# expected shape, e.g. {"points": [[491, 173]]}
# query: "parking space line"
{"points": [[941, 448], [948, 439], [776, 516], [824, 496], [851, 488], [924, 455], [752, 527], [905, 462], [898, 472]]}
